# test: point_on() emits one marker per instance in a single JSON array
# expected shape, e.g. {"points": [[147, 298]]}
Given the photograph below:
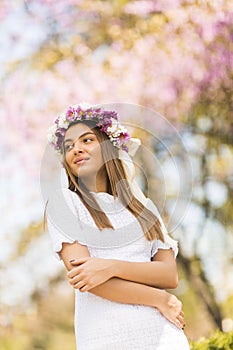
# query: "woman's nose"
{"points": [[77, 148]]}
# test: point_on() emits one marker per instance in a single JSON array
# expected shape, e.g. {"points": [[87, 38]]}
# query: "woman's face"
{"points": [[82, 151]]}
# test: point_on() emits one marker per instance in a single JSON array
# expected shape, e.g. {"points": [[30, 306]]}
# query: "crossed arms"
{"points": [[126, 282]]}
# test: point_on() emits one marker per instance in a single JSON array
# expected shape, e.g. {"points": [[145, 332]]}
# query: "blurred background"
{"points": [[171, 56]]}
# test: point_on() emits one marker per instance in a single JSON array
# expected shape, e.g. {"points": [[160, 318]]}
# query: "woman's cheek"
{"points": [[68, 159]]}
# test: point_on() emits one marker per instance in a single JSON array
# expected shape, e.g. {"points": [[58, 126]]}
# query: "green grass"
{"points": [[218, 341]]}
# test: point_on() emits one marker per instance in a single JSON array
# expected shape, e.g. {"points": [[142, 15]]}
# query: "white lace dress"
{"points": [[101, 324]]}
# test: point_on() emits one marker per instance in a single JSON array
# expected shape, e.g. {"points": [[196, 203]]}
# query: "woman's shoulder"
{"points": [[63, 194], [63, 200], [169, 242]]}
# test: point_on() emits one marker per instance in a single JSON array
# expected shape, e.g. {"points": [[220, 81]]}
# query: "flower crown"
{"points": [[106, 121]]}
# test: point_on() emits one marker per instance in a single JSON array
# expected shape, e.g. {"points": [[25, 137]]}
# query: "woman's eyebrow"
{"points": [[84, 134]]}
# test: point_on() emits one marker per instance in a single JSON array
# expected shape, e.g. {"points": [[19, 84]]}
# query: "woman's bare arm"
{"points": [[114, 289], [160, 273], [89, 272], [128, 292]]}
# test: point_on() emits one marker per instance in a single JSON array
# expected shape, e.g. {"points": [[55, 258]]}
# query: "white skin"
{"points": [[121, 281]]}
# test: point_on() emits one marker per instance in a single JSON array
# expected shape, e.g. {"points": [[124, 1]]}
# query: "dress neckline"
{"points": [[105, 197], [101, 193]]}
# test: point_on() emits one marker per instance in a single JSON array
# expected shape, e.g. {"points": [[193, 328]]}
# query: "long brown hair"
{"points": [[117, 185]]}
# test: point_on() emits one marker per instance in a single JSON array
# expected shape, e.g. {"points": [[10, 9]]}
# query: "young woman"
{"points": [[111, 239]]}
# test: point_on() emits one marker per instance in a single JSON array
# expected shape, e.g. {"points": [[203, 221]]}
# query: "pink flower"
{"points": [[70, 114]]}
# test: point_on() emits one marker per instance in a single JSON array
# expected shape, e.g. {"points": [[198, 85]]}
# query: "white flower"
{"points": [[120, 129], [62, 122], [113, 128], [51, 133]]}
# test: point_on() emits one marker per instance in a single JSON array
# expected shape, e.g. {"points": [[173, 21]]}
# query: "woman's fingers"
{"points": [[77, 279], [79, 285], [180, 320], [179, 324], [74, 280], [75, 271], [171, 308]]}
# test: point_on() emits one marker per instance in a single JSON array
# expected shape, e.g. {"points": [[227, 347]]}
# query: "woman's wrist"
{"points": [[113, 267], [159, 297]]}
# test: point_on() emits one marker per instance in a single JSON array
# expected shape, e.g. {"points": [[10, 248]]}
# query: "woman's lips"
{"points": [[81, 160]]}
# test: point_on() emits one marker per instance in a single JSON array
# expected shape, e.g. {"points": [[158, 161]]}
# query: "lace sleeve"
{"points": [[168, 241], [60, 214]]}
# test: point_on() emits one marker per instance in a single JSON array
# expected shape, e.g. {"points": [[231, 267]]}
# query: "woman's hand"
{"points": [[171, 308], [88, 272]]}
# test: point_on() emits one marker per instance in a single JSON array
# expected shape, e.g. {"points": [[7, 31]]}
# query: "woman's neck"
{"points": [[99, 184]]}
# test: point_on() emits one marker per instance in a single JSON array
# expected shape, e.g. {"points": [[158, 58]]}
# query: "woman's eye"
{"points": [[88, 139], [68, 147]]}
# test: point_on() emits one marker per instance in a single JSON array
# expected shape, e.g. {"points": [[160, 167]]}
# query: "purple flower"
{"points": [[60, 133], [70, 114], [107, 121], [123, 138], [60, 138], [104, 128], [114, 115], [78, 109]]}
